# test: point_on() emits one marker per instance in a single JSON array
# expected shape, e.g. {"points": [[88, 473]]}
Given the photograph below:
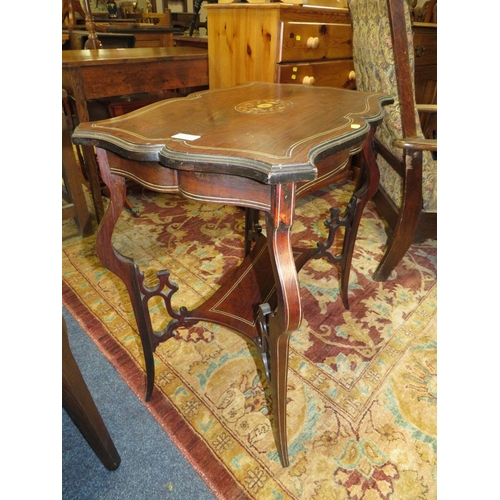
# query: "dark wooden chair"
{"points": [[383, 57], [69, 10], [426, 13], [69, 7], [80, 406], [182, 21]]}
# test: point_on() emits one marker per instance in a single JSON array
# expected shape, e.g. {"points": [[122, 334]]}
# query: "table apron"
{"points": [[102, 81], [203, 187], [225, 188]]}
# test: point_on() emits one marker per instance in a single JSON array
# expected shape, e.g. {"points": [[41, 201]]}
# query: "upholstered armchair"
{"points": [[383, 56]]}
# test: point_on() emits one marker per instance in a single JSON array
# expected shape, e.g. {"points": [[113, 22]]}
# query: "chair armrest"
{"points": [[416, 144], [428, 108]]}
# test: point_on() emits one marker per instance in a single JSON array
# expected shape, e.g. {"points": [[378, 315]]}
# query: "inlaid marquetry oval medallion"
{"points": [[259, 106]]}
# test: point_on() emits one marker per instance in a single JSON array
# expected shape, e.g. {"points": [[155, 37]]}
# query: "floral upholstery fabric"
{"points": [[375, 72]]}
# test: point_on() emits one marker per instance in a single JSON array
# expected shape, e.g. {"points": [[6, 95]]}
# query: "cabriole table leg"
{"points": [[276, 327], [124, 267]]}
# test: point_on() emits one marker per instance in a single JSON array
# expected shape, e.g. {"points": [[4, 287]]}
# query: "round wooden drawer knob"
{"points": [[308, 80], [313, 42], [352, 75]]}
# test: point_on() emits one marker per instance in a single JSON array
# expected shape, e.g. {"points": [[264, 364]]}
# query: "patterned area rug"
{"points": [[362, 383]]}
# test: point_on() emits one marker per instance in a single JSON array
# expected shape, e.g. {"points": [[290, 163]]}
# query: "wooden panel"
{"points": [[243, 46], [154, 39], [326, 74]]}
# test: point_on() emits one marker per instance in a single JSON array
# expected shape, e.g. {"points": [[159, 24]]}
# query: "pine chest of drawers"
{"points": [[281, 43]]}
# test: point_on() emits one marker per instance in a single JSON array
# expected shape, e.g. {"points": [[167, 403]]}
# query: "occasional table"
{"points": [[98, 74], [259, 146]]}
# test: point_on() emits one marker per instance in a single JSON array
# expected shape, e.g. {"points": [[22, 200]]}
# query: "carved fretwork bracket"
{"points": [[164, 289], [262, 341], [349, 221], [334, 223]]}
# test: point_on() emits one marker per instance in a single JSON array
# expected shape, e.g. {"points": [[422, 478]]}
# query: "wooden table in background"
{"points": [[98, 74]]}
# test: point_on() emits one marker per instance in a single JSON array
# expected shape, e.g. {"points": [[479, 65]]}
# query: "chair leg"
{"points": [[80, 406], [408, 217], [79, 209], [71, 126]]}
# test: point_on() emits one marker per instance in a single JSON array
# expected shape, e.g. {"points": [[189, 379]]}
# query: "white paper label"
{"points": [[186, 137]]}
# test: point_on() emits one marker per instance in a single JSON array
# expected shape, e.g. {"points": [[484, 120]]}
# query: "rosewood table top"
{"points": [[258, 146], [266, 132]]}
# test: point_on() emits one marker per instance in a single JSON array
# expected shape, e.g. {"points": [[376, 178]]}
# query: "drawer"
{"points": [[308, 41], [338, 74], [154, 40], [425, 46]]}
